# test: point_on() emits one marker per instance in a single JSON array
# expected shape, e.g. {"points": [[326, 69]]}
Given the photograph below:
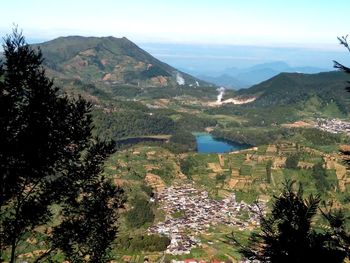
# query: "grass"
{"points": [[249, 196], [259, 171], [236, 160], [245, 170], [219, 241]]}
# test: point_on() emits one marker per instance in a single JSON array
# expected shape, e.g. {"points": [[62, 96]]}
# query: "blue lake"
{"points": [[208, 144]]}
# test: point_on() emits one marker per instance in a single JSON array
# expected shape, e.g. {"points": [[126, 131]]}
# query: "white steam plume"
{"points": [[179, 79], [221, 91]]}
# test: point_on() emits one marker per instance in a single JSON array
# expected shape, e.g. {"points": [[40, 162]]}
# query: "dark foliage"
{"points": [[292, 161], [89, 225], [220, 178], [319, 173], [337, 221], [133, 120], [346, 153], [287, 235], [139, 243], [189, 122], [343, 41], [253, 136], [181, 141], [131, 123], [295, 88], [48, 156], [187, 164], [258, 117], [260, 136], [319, 137], [141, 213], [90, 89]]}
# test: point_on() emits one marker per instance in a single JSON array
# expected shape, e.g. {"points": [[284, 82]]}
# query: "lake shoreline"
{"points": [[207, 143]]}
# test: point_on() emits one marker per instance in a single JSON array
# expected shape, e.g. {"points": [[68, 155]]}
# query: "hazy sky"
{"points": [[254, 22]]}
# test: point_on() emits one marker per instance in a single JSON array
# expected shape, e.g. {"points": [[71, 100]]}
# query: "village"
{"points": [[190, 212], [333, 125]]}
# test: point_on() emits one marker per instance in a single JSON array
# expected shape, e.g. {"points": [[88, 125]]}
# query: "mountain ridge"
{"points": [[109, 59], [247, 77], [289, 88]]}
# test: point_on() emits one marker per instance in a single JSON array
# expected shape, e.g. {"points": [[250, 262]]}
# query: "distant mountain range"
{"points": [[110, 60], [225, 80], [238, 78]]}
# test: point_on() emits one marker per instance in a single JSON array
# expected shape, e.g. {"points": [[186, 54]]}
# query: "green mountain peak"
{"points": [[109, 60]]}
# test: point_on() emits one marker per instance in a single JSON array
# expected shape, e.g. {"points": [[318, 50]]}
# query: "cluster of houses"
{"points": [[190, 212], [333, 125]]}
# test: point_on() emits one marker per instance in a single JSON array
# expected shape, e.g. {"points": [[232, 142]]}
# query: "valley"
{"points": [[200, 199], [227, 181], [199, 195], [192, 158]]}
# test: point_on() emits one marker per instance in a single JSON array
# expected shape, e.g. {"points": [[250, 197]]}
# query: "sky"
{"points": [[213, 59], [234, 22], [191, 33]]}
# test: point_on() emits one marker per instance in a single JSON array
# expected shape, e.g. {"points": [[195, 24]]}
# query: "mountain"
{"points": [[280, 66], [262, 72], [110, 61], [226, 81], [291, 88], [245, 77]]}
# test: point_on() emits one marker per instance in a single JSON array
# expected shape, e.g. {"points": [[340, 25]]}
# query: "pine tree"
{"points": [[286, 234], [47, 153], [344, 41], [337, 218]]}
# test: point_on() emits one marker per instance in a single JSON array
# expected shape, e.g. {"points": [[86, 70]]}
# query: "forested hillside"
{"points": [[293, 88]]}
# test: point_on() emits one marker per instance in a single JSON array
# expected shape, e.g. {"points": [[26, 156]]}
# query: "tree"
{"points": [[287, 235], [141, 213], [343, 41], [220, 178], [292, 161], [268, 171], [337, 221], [319, 173], [88, 226], [337, 218], [47, 153]]}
